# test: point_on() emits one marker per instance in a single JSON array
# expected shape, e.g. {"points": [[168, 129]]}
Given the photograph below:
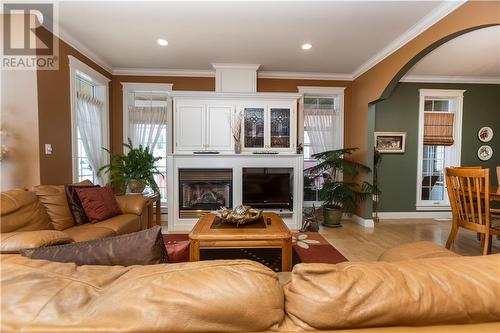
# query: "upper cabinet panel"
{"points": [[218, 131], [190, 127], [280, 127], [253, 127]]}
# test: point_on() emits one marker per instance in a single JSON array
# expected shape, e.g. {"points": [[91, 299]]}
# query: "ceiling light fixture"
{"points": [[306, 46], [162, 42]]}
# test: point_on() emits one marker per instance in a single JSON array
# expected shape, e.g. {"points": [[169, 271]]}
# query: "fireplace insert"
{"points": [[268, 187], [204, 190]]}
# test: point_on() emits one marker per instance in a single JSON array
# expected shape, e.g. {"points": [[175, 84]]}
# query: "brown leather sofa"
{"points": [[437, 292], [41, 216]]}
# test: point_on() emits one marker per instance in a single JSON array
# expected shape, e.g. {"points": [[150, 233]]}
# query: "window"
{"points": [[323, 129], [440, 127], [89, 116], [147, 122]]}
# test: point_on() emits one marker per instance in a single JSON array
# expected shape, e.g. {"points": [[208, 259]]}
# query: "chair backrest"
{"points": [[468, 190]]}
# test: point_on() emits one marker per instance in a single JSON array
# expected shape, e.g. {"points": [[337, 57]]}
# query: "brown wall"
{"points": [[208, 84], [54, 116], [369, 86]]}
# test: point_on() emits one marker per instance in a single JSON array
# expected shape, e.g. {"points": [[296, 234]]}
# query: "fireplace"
{"points": [[204, 190]]}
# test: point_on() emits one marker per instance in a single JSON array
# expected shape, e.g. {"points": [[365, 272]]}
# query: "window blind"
{"points": [[438, 128]]}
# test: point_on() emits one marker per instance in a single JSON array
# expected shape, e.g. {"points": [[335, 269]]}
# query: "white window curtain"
{"points": [[89, 123], [322, 126], [146, 124]]}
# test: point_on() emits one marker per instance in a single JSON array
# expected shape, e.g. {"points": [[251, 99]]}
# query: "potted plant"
{"points": [[340, 195], [134, 170]]}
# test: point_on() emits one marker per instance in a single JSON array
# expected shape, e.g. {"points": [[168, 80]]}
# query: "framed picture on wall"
{"points": [[390, 142]]}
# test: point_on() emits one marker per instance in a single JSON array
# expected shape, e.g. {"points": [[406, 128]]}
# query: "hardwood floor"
{"points": [[357, 243]]}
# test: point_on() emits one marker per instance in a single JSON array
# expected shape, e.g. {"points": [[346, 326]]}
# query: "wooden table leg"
{"points": [[286, 255], [194, 250], [158, 212]]}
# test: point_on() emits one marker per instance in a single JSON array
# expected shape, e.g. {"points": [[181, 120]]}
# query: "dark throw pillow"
{"points": [[75, 205], [144, 247], [99, 203]]}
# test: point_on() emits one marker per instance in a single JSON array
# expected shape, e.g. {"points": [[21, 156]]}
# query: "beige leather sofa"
{"points": [[42, 216], [437, 292]]}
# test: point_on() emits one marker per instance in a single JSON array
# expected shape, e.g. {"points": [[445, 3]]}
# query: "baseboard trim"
{"points": [[414, 215], [367, 223]]}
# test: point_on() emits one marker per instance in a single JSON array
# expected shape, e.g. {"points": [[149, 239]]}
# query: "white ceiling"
{"points": [[347, 36], [475, 54]]}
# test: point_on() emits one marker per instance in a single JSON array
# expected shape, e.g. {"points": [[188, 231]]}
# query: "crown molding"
{"points": [[304, 76], [451, 79], [63, 35], [422, 25], [164, 72]]}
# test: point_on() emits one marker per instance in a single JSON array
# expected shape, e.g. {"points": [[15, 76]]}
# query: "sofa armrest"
{"points": [[415, 250], [131, 204], [12, 242]]}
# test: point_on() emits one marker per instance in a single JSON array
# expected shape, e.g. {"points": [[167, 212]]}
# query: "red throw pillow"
{"points": [[99, 203]]}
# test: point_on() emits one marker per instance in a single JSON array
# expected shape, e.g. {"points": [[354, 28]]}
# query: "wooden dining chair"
{"points": [[468, 190]]}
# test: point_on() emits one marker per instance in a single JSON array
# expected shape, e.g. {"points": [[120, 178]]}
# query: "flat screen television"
{"points": [[267, 190]]}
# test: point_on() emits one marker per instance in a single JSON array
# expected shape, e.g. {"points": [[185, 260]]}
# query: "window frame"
{"points": [[452, 153], [101, 89], [130, 88], [337, 93]]}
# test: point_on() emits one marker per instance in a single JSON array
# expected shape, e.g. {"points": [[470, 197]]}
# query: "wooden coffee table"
{"points": [[208, 234]]}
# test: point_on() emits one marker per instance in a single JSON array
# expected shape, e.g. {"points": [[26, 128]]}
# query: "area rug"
{"points": [[308, 247]]}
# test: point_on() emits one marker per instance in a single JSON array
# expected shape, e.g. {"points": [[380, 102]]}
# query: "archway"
{"points": [[466, 63]]}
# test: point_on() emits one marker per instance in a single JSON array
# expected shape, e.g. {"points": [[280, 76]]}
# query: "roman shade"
{"points": [[438, 128]]}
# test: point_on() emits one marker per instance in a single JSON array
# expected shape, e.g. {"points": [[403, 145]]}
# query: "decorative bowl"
{"points": [[239, 215]]}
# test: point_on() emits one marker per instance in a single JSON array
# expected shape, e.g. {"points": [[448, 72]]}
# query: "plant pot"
{"points": [[136, 186], [332, 217]]}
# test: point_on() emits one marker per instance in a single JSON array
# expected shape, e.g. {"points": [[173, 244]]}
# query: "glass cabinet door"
{"points": [[253, 127], [280, 128]]}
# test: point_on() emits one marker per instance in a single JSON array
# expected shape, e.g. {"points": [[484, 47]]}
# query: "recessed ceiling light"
{"points": [[306, 46], [162, 42]]}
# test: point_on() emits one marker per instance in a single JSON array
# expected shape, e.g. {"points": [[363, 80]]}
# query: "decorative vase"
{"points": [[136, 186], [332, 217], [237, 148]]}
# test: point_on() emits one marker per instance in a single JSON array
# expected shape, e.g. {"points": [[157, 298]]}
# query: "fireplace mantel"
{"points": [[236, 162]]}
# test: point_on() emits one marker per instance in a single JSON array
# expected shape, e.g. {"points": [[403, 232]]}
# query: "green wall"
{"points": [[399, 113]]}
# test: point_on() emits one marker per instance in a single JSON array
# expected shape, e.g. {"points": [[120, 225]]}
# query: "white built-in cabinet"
{"points": [[203, 126], [204, 121]]}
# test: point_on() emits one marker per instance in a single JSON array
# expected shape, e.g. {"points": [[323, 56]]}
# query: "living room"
{"points": [[323, 154]]}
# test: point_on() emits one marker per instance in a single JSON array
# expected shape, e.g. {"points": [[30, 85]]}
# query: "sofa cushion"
{"points": [[121, 224], [20, 210], [88, 232], [144, 247], [207, 296], [75, 205], [13, 242], [53, 197], [415, 250], [99, 203], [435, 291]]}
